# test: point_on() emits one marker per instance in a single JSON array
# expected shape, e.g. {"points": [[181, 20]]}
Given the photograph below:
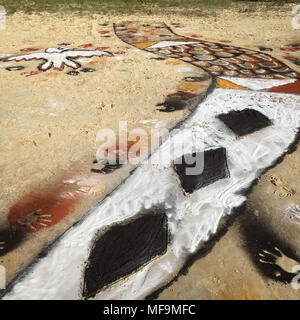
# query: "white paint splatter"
{"points": [[164, 44], [183, 69]]}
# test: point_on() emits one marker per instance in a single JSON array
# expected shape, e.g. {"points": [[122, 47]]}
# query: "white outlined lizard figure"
{"points": [[58, 57]]}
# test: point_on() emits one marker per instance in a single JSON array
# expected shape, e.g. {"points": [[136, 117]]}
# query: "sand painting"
{"points": [[217, 59], [240, 138], [58, 58]]}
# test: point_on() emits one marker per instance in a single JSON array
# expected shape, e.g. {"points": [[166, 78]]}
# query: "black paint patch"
{"points": [[294, 45], [297, 62], [9, 240], [214, 168], [73, 73], [259, 238], [88, 70], [158, 58], [124, 249], [196, 79], [15, 68], [108, 168], [64, 44], [171, 104], [262, 48], [245, 121]]}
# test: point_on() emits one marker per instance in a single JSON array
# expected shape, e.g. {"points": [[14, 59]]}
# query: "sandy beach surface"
{"points": [[49, 123]]}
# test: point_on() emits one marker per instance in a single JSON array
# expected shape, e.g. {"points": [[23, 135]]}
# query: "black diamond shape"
{"points": [[214, 169], [245, 121], [125, 248]]}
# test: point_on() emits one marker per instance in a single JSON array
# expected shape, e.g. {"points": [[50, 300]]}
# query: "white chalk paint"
{"points": [[58, 57], [183, 69], [292, 212], [164, 44], [259, 84], [191, 219], [119, 58]]}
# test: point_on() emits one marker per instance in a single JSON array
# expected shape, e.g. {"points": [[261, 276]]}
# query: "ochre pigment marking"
{"points": [[290, 58], [120, 52], [87, 45], [182, 95], [30, 49], [36, 211], [226, 84], [52, 74], [293, 88], [189, 86], [290, 49], [143, 45], [215, 58], [102, 48], [31, 73], [93, 63], [193, 35], [174, 63]]}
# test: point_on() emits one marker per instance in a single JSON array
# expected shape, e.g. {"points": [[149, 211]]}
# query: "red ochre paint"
{"points": [[140, 39], [43, 209], [31, 73], [290, 49], [36, 211], [120, 52], [104, 32], [102, 48], [87, 45], [293, 88], [30, 49], [225, 41], [193, 35], [290, 58]]}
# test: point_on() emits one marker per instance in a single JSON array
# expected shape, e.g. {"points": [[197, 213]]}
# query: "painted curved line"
{"points": [[289, 73]]}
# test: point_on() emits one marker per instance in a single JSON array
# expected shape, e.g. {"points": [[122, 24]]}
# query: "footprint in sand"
{"points": [[284, 266], [281, 189]]}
